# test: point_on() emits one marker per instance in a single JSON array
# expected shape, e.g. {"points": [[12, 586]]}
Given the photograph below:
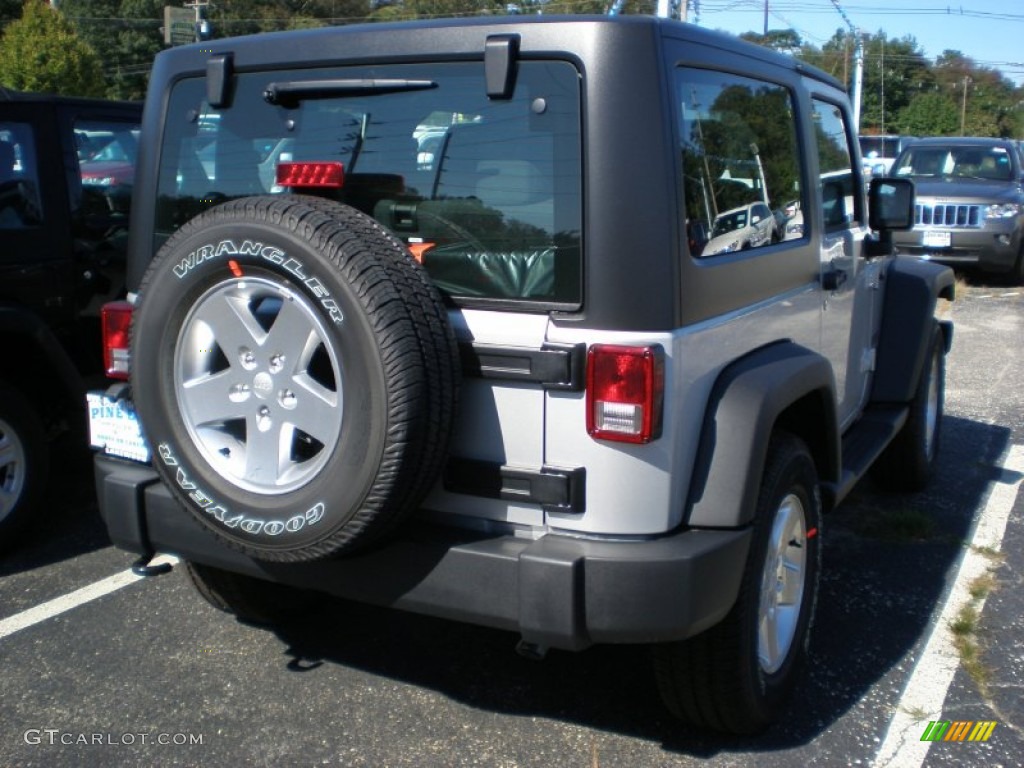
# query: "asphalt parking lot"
{"points": [[147, 673]]}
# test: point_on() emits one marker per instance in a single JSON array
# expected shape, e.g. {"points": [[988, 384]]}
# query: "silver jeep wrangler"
{"points": [[423, 315]]}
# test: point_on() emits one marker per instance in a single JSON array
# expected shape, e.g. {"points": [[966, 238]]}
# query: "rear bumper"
{"points": [[556, 591]]}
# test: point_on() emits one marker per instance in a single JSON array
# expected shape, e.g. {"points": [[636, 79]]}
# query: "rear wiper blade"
{"points": [[292, 92]]}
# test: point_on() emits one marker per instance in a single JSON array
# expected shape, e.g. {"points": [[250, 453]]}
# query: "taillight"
{"points": [[624, 392], [116, 319], [330, 175]]}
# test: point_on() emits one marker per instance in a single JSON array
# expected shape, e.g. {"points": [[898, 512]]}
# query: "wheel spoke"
{"points": [[792, 583], [264, 452], [317, 413], [207, 398], [291, 333], [769, 639], [232, 322]]}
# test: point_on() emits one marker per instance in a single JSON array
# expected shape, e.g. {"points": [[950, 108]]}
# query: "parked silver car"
{"points": [[737, 229]]}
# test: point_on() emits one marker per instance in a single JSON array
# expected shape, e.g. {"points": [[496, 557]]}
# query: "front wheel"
{"points": [[736, 676], [907, 463], [24, 459]]}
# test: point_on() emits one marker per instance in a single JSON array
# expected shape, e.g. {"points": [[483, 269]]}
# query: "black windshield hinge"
{"points": [[500, 53], [219, 71]]}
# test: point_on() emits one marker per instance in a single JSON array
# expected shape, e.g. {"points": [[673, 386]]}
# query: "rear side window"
{"points": [[740, 162], [19, 183], [486, 193]]}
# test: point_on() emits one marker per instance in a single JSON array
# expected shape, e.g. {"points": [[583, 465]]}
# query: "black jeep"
{"points": [[66, 175]]}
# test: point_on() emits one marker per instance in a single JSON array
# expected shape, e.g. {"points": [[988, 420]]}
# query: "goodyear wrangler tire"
{"points": [[295, 374]]}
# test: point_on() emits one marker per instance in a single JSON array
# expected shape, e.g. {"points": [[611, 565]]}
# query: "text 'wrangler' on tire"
{"points": [[642, 255], [295, 374]]}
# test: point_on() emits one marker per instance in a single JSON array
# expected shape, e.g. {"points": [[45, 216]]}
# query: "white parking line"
{"points": [[74, 599], [926, 690]]}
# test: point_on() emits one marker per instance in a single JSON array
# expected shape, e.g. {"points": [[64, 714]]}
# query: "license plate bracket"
{"points": [[936, 239], [114, 428]]}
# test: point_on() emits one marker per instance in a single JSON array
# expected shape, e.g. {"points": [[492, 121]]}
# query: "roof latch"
{"points": [[500, 53]]}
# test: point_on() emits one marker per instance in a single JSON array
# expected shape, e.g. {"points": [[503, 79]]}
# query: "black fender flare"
{"points": [[912, 289], [782, 384], [15, 321]]}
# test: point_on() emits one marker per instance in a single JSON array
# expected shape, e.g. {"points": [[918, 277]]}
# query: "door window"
{"points": [[19, 177], [842, 201]]}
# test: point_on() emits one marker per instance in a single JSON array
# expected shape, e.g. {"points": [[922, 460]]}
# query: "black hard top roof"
{"points": [[541, 33]]}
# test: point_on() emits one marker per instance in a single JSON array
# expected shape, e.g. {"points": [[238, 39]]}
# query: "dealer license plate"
{"points": [[931, 239], [114, 428]]}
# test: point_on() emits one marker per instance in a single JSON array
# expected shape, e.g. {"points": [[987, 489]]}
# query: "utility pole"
{"points": [[963, 107], [202, 25], [858, 67], [766, 18]]}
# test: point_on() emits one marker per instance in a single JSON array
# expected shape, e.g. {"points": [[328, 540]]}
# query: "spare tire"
{"points": [[295, 374]]}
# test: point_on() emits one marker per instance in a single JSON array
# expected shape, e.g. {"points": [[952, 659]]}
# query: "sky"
{"points": [[988, 31]]}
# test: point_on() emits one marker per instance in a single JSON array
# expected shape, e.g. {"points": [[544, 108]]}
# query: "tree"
{"points": [[928, 114], [10, 10], [784, 40], [895, 70], [41, 52], [126, 36], [987, 102]]}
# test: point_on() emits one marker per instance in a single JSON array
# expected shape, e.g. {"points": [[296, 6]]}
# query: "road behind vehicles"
{"points": [[492, 381]]}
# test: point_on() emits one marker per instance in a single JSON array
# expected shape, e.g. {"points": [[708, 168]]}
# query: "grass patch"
{"points": [[965, 624], [965, 633], [991, 553], [918, 714], [982, 586]]}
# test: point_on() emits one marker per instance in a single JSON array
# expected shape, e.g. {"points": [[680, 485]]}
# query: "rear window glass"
{"points": [[485, 192]]}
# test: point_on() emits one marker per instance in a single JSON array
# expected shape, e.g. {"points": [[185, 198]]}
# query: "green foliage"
{"points": [[126, 36], [902, 92], [41, 52], [929, 114], [785, 40]]}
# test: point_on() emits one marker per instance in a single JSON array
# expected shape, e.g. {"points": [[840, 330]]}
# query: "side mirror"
{"points": [[891, 204]]}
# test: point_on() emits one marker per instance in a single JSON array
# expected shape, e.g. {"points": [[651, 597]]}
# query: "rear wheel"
{"points": [[906, 465], [250, 599], [24, 460], [737, 676]]}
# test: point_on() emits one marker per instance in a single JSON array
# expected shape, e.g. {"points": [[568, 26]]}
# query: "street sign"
{"points": [[179, 25]]}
